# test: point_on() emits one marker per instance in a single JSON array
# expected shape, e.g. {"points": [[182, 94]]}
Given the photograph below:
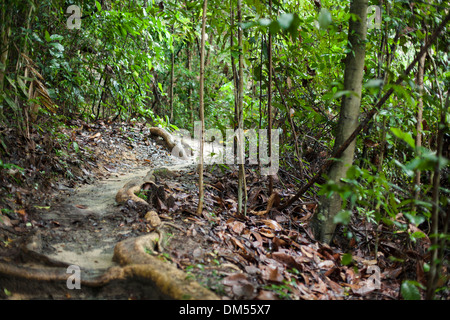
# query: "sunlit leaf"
{"points": [[324, 18]]}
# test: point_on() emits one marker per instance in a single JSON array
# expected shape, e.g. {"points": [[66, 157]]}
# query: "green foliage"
{"points": [[410, 290]]}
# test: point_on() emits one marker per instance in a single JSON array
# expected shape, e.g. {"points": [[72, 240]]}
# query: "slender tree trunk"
{"points": [[189, 99], [171, 83], [437, 244], [323, 224], [242, 198], [419, 83], [269, 103], [202, 112], [233, 68]]}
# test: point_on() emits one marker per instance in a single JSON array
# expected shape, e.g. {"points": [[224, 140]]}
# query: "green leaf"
{"points": [[57, 46], [98, 5], [47, 36], [264, 22], [246, 25], [415, 219], [405, 136], [343, 217], [75, 147], [410, 290], [285, 20], [324, 18], [373, 83], [344, 92], [274, 27], [56, 37], [346, 259]]}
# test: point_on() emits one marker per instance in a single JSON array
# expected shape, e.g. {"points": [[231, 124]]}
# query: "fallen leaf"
{"points": [[244, 290], [319, 287], [98, 134], [272, 224], [266, 295], [271, 273], [236, 226], [266, 232], [287, 260], [234, 278], [327, 264]]}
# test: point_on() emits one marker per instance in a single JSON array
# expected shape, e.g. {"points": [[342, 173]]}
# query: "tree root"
{"points": [[182, 151], [136, 262]]}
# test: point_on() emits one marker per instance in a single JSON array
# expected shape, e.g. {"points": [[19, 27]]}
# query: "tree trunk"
{"points": [[419, 83], [323, 224], [202, 112], [438, 244], [242, 198], [189, 100], [269, 103], [171, 84]]}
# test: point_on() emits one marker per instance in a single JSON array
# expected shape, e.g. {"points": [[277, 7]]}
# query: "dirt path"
{"points": [[82, 227]]}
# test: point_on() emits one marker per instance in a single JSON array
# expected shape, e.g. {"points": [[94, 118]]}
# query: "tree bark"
{"points": [[269, 103], [171, 86], [242, 198], [419, 118], [201, 194], [323, 224]]}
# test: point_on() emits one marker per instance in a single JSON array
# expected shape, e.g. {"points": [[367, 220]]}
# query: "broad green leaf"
{"points": [[247, 25], [410, 291], [75, 147], [346, 259], [343, 217], [344, 92], [264, 22], [373, 83], [47, 36], [274, 27], [57, 46], [405, 136], [324, 18], [415, 219], [98, 5], [285, 20], [56, 37]]}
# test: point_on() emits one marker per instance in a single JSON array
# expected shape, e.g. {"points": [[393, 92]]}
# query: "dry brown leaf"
{"points": [[327, 264], [237, 243], [244, 290], [271, 273], [286, 259], [259, 240], [272, 224], [97, 135], [234, 279], [266, 232], [334, 286], [320, 286], [236, 226], [274, 201], [266, 295]]}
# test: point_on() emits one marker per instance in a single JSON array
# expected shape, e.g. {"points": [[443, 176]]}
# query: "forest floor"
{"points": [[265, 255]]}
